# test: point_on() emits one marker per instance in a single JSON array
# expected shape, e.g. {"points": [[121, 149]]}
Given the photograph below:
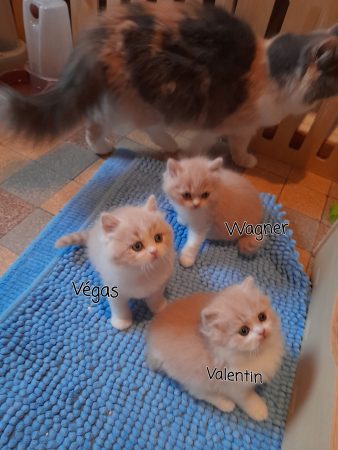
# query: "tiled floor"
{"points": [[36, 182]]}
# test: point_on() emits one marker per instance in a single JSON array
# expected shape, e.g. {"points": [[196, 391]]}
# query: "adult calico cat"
{"points": [[187, 66]]}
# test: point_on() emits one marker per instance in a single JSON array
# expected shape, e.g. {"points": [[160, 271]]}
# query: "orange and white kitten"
{"points": [[205, 196], [131, 247], [234, 330]]}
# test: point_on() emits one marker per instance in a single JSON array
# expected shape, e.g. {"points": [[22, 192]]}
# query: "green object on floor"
{"points": [[333, 214]]}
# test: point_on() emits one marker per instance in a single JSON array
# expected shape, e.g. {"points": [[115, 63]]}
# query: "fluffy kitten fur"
{"points": [[188, 66], [230, 198], [202, 331], [137, 274]]}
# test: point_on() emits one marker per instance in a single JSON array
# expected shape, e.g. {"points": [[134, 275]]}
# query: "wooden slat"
{"points": [[18, 16], [257, 15], [82, 12], [227, 4]]}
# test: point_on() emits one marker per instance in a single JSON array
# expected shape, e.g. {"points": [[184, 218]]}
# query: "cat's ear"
{"points": [[248, 283], [173, 167], [108, 222], [326, 55], [210, 321], [215, 164], [151, 204]]}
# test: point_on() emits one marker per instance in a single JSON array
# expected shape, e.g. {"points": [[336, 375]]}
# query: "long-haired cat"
{"points": [[235, 329], [188, 66], [205, 196], [131, 247]]}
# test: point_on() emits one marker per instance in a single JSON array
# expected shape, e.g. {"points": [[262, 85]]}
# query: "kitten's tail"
{"points": [[79, 238], [60, 108]]}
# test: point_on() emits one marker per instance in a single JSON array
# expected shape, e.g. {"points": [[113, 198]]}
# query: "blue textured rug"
{"points": [[69, 380]]}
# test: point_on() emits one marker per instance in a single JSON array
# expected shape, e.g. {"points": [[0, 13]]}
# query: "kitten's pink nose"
{"points": [[153, 252], [262, 333], [196, 203]]}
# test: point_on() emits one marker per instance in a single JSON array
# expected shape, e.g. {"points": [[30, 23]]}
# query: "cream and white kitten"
{"points": [[234, 329], [205, 195], [131, 247]]}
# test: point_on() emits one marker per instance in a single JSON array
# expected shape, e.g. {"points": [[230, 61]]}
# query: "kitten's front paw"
{"points": [[225, 405], [187, 260], [257, 409], [159, 307], [248, 245], [180, 220], [120, 324], [247, 161]]}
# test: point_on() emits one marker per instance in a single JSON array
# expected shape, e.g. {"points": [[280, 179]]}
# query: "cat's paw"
{"points": [[120, 324], [225, 405], [248, 245], [247, 161], [100, 146], [159, 307], [180, 220], [187, 260], [257, 409]]}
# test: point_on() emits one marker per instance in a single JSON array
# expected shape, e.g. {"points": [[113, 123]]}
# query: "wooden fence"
{"points": [[310, 142]]}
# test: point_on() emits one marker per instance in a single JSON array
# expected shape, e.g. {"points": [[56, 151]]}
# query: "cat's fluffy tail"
{"points": [[60, 108], [79, 238]]}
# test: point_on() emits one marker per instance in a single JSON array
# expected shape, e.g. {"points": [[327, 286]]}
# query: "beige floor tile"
{"points": [[334, 190], [6, 259], [326, 212], [309, 180], [142, 138], [10, 162], [265, 181], [61, 197], [31, 150], [87, 174], [304, 257], [303, 199], [273, 166], [79, 138], [304, 229]]}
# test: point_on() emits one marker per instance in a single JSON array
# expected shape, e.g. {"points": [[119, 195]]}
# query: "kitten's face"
{"points": [[240, 319], [191, 183], [138, 236], [306, 64]]}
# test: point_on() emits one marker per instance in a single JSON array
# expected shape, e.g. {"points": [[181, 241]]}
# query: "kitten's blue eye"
{"points": [[244, 331], [205, 195], [137, 247], [158, 237], [186, 196], [262, 317]]}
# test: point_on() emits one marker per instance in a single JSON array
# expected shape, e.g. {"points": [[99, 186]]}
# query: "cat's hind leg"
{"points": [[121, 317], [239, 151], [161, 138], [97, 138]]}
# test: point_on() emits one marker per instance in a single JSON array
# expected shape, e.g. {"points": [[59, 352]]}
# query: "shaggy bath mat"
{"points": [[70, 381]]}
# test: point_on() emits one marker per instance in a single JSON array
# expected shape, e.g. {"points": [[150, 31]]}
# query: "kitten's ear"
{"points": [[173, 167], [215, 164], [108, 222], [209, 319], [248, 283], [151, 204], [326, 56]]}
